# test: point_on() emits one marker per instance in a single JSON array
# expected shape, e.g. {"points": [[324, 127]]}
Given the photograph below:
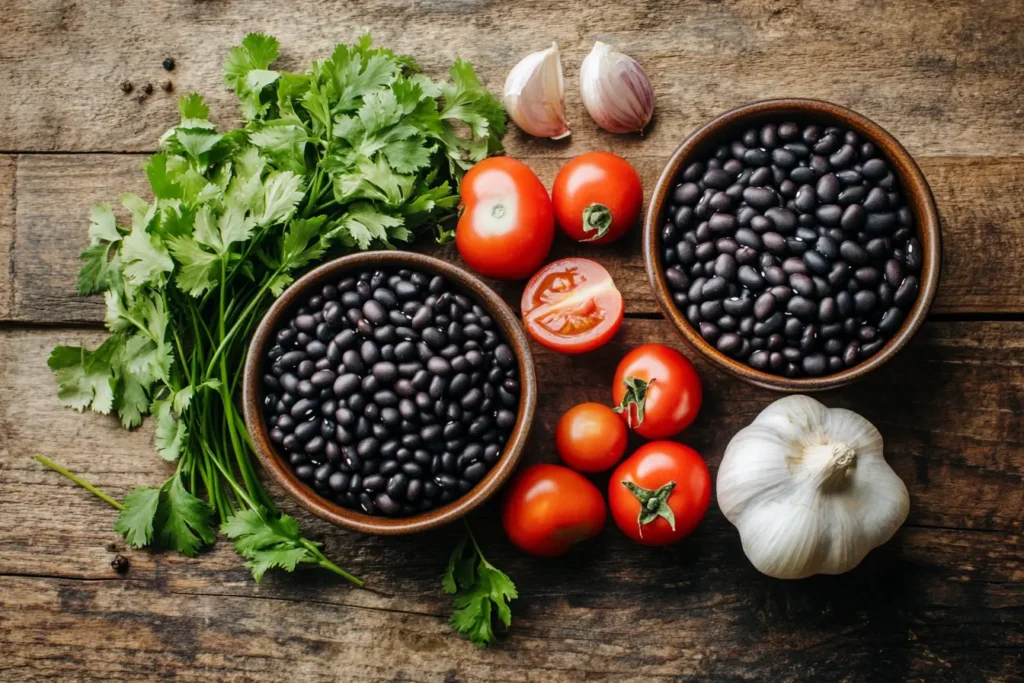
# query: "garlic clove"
{"points": [[534, 94], [615, 90]]}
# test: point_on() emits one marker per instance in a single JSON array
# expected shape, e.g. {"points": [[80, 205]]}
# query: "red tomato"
{"points": [[657, 390], [548, 508], [572, 306], [597, 197], [659, 494], [507, 225], [590, 437]]}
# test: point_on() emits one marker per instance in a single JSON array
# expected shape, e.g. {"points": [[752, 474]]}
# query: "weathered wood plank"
{"points": [[981, 202], [680, 614], [944, 77], [8, 206], [945, 599]]}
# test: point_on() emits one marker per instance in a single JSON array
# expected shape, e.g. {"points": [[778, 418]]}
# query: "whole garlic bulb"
{"points": [[809, 490], [534, 94], [615, 90]]}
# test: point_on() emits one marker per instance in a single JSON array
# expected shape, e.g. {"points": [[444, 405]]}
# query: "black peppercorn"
{"points": [[120, 564], [126, 86], [169, 63]]}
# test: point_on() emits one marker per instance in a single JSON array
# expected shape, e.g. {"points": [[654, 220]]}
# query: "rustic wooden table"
{"points": [[943, 601]]}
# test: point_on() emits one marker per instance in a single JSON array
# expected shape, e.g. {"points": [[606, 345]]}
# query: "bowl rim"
{"points": [[915, 187], [306, 495]]}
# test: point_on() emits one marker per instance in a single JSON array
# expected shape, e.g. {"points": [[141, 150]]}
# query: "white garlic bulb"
{"points": [[535, 96], [809, 489], [615, 90]]}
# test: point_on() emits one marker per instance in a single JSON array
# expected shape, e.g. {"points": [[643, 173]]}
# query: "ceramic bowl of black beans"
{"points": [[389, 392], [794, 243]]}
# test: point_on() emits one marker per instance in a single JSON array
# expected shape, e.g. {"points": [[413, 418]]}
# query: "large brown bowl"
{"points": [[701, 145], [309, 498]]}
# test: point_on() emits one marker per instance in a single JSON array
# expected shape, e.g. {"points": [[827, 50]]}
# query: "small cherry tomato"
{"points": [[571, 305], [590, 437], [548, 508], [507, 224], [657, 390], [659, 494], [597, 197]]}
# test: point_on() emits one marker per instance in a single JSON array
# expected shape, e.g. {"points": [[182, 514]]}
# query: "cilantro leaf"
{"points": [[266, 541], [137, 519], [480, 589], [282, 193], [169, 516], [198, 267], [145, 258], [103, 225], [170, 430], [185, 521], [85, 378], [100, 270], [192, 106]]}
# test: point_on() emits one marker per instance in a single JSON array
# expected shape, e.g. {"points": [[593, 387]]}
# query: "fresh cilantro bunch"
{"points": [[480, 589], [360, 151]]}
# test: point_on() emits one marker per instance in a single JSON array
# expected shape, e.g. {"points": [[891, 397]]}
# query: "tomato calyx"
{"points": [[653, 504], [596, 218], [636, 395]]}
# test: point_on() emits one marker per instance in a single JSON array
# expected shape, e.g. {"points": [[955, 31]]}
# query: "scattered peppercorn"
{"points": [[126, 86], [120, 564], [148, 88], [169, 64], [167, 86], [112, 547]]}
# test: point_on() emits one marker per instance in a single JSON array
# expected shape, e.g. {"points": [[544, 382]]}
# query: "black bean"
{"points": [[729, 343], [876, 200], [828, 188], [864, 301], [722, 223], [817, 263], [906, 293], [874, 169], [783, 219]]}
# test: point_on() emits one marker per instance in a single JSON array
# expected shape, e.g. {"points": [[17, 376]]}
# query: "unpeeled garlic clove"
{"points": [[534, 94], [615, 90]]}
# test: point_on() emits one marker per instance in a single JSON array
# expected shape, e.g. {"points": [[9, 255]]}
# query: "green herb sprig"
{"points": [[361, 151]]}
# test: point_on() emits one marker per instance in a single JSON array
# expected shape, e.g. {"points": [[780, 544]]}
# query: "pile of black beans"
{"points": [[391, 392], [792, 249]]}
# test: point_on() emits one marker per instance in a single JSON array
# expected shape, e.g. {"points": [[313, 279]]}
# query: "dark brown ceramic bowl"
{"points": [[701, 145], [309, 498]]}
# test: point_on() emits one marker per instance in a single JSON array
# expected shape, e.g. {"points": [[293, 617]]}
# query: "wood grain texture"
{"points": [[8, 210], [909, 65], [943, 601], [980, 201]]}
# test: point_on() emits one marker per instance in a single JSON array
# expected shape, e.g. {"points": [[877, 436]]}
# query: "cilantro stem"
{"points": [[322, 561], [78, 480]]}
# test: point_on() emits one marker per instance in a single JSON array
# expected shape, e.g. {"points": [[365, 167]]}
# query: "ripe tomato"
{"points": [[590, 437], [657, 390], [507, 224], [571, 305], [659, 494], [548, 508], [597, 197]]}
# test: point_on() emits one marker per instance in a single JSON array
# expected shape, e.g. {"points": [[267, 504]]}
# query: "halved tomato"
{"points": [[571, 305]]}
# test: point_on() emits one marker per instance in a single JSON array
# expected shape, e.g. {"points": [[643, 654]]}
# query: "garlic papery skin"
{"points": [[809, 490], [615, 90], [535, 95]]}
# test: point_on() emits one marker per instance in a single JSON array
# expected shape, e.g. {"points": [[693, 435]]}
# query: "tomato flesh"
{"points": [[572, 306]]}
